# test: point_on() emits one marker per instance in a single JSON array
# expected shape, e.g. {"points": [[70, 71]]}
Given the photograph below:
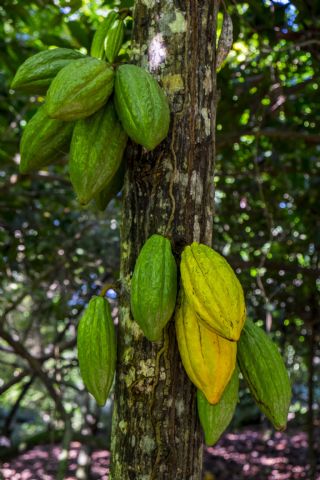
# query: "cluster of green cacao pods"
{"points": [[214, 338], [93, 103]]}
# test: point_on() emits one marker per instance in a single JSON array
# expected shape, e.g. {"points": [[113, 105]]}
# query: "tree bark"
{"points": [[156, 433]]}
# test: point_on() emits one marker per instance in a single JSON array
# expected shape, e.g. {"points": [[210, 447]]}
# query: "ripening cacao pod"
{"points": [[114, 39], [215, 419], [141, 106], [208, 359], [154, 287], [36, 73], [96, 340], [96, 151], [265, 373], [114, 186], [80, 89], [97, 46], [43, 141], [213, 290]]}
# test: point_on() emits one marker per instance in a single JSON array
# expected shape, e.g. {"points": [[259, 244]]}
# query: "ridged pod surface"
{"points": [[215, 419], [36, 73], [265, 373], [96, 152], [80, 89], [114, 39], [43, 141], [141, 105], [97, 349], [154, 287], [103, 198], [213, 290], [97, 46], [208, 359]]}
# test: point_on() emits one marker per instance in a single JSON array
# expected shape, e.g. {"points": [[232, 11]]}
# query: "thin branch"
{"points": [[276, 266], [14, 381], [227, 138], [16, 405], [36, 368]]}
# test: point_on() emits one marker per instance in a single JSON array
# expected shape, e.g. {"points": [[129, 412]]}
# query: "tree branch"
{"points": [[36, 368], [14, 381], [278, 134]]}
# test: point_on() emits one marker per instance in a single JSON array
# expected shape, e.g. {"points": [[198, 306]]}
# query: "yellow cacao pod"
{"points": [[213, 290], [208, 359]]}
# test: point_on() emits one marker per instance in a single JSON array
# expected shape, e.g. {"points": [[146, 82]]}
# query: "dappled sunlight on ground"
{"points": [[40, 464], [249, 454], [261, 455]]}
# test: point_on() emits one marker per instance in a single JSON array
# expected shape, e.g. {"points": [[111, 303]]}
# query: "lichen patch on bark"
{"points": [[179, 25], [172, 83], [149, 3], [207, 120], [157, 52]]}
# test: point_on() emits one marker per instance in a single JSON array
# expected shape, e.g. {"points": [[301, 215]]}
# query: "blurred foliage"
{"points": [[267, 176], [55, 255]]}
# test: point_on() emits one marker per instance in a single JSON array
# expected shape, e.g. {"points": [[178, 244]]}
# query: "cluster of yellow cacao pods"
{"points": [[213, 335], [209, 318]]}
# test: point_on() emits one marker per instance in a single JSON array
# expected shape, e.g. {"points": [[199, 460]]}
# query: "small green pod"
{"points": [[215, 419], [265, 373], [96, 152], [80, 89], [44, 140], [154, 287], [97, 46], [97, 348], [114, 40], [37, 72]]}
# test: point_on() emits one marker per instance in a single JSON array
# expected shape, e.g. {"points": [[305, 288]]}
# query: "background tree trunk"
{"points": [[310, 424], [156, 433]]}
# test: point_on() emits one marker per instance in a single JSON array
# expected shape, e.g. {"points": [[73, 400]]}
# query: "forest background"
{"points": [[56, 255]]}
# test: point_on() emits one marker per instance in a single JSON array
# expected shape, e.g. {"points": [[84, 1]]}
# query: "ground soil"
{"points": [[251, 453]]}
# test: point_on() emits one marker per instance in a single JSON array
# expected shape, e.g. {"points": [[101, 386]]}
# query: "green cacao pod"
{"points": [[80, 89], [108, 192], [141, 105], [215, 419], [265, 373], [213, 290], [97, 46], [36, 73], [114, 39], [208, 359], [97, 147], [154, 287], [97, 348], [43, 141]]}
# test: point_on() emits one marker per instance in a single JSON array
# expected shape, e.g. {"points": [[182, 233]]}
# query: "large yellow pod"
{"points": [[208, 359], [213, 290]]}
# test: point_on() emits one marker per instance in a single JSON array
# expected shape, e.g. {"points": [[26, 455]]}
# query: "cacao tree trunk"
{"points": [[156, 433]]}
